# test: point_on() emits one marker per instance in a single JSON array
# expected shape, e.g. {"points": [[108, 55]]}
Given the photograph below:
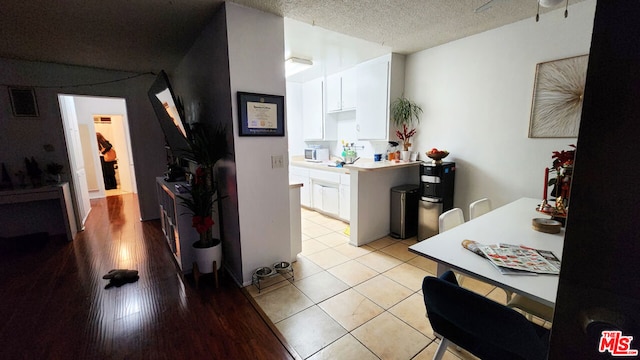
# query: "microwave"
{"points": [[316, 154]]}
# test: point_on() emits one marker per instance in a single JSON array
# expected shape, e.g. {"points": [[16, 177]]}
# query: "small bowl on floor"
{"points": [[282, 266], [264, 272]]}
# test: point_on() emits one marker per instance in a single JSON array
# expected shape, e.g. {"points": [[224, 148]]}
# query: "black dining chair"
{"points": [[480, 325]]}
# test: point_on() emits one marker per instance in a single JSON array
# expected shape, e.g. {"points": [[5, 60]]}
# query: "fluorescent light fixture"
{"points": [[550, 3], [294, 65]]}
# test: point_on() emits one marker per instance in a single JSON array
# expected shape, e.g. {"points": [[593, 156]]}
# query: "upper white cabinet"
{"points": [[341, 91], [315, 125], [313, 109], [380, 81]]}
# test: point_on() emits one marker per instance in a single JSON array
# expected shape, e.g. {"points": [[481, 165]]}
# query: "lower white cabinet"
{"points": [[326, 198], [326, 194], [299, 175], [331, 200]]}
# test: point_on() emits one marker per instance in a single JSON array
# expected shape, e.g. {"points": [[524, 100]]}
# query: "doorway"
{"points": [[83, 117]]}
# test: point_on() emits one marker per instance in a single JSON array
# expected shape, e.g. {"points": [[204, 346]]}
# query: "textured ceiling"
{"points": [[149, 35]]}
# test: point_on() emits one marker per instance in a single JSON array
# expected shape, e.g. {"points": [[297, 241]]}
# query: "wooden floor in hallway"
{"points": [[54, 304]]}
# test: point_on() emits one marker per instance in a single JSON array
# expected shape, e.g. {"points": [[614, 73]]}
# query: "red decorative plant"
{"points": [[563, 158], [207, 148], [405, 136], [200, 203], [563, 166]]}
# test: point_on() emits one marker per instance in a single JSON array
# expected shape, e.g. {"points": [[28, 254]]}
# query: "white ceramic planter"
{"points": [[205, 257], [406, 155]]}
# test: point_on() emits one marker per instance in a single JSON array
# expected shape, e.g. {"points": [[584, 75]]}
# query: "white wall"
{"points": [[476, 95], [256, 64], [242, 49]]}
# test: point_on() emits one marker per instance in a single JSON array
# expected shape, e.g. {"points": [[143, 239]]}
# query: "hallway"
{"points": [[54, 303]]}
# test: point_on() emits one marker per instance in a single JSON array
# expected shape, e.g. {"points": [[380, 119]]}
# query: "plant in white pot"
{"points": [[206, 148], [404, 113]]}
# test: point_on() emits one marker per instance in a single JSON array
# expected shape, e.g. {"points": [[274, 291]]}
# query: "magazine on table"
{"points": [[516, 260]]}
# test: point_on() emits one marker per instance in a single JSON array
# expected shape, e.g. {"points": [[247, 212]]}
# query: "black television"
{"points": [[170, 116]]}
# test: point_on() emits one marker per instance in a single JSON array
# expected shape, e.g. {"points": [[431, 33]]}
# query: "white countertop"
{"points": [[364, 164], [369, 164]]}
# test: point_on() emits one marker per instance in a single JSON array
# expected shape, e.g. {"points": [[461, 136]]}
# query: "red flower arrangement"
{"points": [[405, 135], [563, 158], [202, 223], [563, 166], [200, 203]]}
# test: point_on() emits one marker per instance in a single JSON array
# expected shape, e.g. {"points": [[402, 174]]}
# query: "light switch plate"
{"points": [[277, 161]]}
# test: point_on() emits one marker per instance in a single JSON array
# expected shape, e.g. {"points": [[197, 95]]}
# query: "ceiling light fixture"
{"points": [[549, 3], [294, 65], [552, 3]]}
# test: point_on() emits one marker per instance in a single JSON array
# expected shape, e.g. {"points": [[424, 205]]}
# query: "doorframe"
{"points": [[77, 176]]}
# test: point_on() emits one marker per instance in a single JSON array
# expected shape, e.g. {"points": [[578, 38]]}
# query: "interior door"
{"points": [[598, 305], [76, 161]]}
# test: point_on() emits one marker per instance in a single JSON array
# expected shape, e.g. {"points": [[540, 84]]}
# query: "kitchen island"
{"points": [[369, 196]]}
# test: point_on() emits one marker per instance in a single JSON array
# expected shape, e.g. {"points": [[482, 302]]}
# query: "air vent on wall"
{"points": [[23, 101]]}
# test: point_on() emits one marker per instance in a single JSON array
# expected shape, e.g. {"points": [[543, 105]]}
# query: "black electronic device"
{"points": [[175, 173], [437, 182], [436, 195]]}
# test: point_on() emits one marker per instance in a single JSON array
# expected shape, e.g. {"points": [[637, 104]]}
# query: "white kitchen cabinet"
{"points": [[301, 175], [334, 93], [330, 200], [341, 91], [313, 109], [325, 193], [326, 198], [316, 198], [380, 81], [345, 197], [349, 89]]}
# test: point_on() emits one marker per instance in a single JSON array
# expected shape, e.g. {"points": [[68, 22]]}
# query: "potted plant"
{"points": [[563, 167], [206, 148], [404, 113], [54, 169]]}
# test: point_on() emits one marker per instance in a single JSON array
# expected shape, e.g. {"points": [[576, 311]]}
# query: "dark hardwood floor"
{"points": [[55, 306]]}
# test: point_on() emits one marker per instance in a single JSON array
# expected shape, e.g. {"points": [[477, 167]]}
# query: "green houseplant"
{"points": [[206, 148], [404, 113]]}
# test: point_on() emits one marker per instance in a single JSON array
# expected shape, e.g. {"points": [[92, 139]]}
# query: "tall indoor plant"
{"points": [[206, 148], [404, 113]]}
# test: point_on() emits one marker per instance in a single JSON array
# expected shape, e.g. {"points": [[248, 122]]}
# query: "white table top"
{"points": [[508, 224]]}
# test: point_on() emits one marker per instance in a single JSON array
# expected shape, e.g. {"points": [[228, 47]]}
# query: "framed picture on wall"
{"points": [[557, 98], [260, 114]]}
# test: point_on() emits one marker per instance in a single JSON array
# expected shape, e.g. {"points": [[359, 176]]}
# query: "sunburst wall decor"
{"points": [[557, 98]]}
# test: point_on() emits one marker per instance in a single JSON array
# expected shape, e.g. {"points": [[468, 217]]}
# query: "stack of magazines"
{"points": [[516, 259]]}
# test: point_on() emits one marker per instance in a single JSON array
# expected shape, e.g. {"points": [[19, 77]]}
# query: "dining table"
{"points": [[508, 224]]}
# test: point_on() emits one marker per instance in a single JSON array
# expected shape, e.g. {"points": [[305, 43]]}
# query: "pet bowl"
{"points": [[282, 266], [264, 272]]}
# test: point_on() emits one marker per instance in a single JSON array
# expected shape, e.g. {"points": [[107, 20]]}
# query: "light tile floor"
{"points": [[350, 302]]}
